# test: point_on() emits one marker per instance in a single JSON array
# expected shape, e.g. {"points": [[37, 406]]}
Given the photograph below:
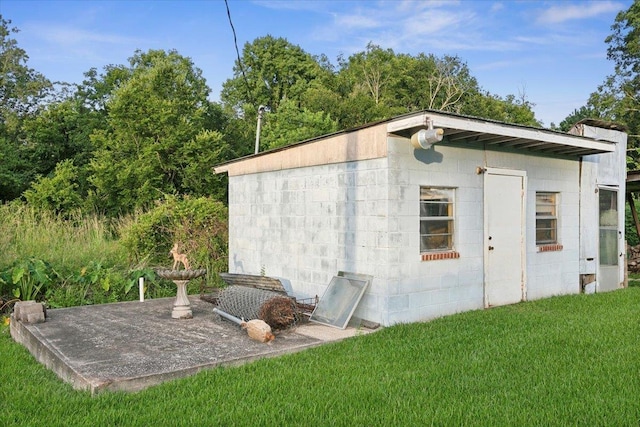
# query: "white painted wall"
{"points": [[601, 170], [306, 224], [427, 289]]}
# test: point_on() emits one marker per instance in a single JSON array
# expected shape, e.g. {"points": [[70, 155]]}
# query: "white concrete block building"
{"points": [[447, 213]]}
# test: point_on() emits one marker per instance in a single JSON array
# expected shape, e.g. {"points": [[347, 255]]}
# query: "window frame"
{"points": [[553, 216], [449, 236]]}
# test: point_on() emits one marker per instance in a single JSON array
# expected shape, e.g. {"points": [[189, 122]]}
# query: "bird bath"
{"points": [[182, 306]]}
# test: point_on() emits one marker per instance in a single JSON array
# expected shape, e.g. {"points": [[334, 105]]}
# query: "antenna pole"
{"points": [[260, 111]]}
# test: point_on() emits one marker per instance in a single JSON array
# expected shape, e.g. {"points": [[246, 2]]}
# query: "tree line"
{"points": [[132, 134]]}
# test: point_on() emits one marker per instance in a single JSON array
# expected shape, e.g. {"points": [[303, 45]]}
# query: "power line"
{"points": [[235, 42]]}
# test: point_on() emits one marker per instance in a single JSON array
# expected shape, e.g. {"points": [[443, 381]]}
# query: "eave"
{"points": [[487, 134]]}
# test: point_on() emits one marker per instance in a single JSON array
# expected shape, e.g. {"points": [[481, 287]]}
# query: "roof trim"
{"points": [[487, 133], [461, 130]]}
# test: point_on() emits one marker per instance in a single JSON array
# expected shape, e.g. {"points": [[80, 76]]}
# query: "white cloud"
{"points": [[403, 25], [314, 6], [569, 12], [69, 44], [358, 22], [496, 7], [73, 36], [411, 6], [496, 65]]}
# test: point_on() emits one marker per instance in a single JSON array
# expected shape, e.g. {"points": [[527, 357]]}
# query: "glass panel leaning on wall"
{"points": [[436, 219], [546, 218]]}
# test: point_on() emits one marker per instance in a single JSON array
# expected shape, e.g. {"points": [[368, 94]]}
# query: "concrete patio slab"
{"points": [[129, 346]]}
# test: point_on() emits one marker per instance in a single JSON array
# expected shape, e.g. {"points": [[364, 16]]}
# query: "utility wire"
{"points": [[235, 42]]}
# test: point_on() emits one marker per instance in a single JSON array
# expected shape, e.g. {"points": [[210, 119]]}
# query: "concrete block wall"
{"points": [[306, 224], [423, 290], [555, 272]]}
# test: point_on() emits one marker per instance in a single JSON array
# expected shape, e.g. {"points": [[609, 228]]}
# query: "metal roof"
{"points": [[482, 133]]}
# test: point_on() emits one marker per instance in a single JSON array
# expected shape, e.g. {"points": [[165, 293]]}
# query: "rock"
{"points": [[29, 312], [258, 330]]}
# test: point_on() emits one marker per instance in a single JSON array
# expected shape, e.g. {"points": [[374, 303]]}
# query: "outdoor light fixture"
{"points": [[425, 138]]}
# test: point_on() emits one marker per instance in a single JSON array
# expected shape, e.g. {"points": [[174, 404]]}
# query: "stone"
{"points": [[29, 312]]}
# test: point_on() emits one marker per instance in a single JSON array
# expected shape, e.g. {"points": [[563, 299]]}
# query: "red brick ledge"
{"points": [[549, 248], [433, 256]]}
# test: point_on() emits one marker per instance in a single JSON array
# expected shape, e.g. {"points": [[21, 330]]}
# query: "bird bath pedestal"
{"points": [[182, 306]]}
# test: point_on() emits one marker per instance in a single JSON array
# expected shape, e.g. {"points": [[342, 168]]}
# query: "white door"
{"points": [[609, 236], [504, 281]]}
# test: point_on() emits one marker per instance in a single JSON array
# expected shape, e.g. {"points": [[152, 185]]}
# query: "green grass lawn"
{"points": [[572, 360]]}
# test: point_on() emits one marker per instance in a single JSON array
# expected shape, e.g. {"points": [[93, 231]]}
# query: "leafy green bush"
{"points": [[97, 284], [199, 225], [75, 260]]}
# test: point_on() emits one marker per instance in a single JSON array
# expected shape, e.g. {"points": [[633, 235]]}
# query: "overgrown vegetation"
{"points": [[199, 225], [69, 260], [568, 360]]}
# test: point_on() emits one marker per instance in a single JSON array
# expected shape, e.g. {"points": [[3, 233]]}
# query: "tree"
{"points": [[378, 84], [624, 42], [293, 124], [364, 83], [21, 87], [617, 99], [273, 72], [624, 50], [62, 132], [21, 91], [270, 71], [58, 193], [156, 134], [584, 112], [370, 71]]}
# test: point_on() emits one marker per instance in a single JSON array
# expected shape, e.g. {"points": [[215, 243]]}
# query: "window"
{"points": [[608, 227], [436, 219], [546, 218]]}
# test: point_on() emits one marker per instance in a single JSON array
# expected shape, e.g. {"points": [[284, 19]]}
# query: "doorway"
{"points": [[609, 240], [504, 220]]}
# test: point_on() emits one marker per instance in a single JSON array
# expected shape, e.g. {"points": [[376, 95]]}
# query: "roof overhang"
{"points": [[633, 181], [482, 133]]}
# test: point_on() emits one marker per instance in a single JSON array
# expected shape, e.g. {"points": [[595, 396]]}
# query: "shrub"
{"points": [[199, 225]]}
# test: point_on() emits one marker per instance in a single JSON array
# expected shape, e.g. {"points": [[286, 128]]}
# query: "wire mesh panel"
{"points": [[244, 302]]}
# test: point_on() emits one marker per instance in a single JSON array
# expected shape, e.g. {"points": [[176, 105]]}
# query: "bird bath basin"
{"points": [[182, 306]]}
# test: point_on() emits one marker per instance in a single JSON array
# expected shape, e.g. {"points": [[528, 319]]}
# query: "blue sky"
{"points": [[552, 51]]}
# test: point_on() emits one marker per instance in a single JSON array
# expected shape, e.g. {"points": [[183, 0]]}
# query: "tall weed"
{"points": [[68, 244], [70, 260]]}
